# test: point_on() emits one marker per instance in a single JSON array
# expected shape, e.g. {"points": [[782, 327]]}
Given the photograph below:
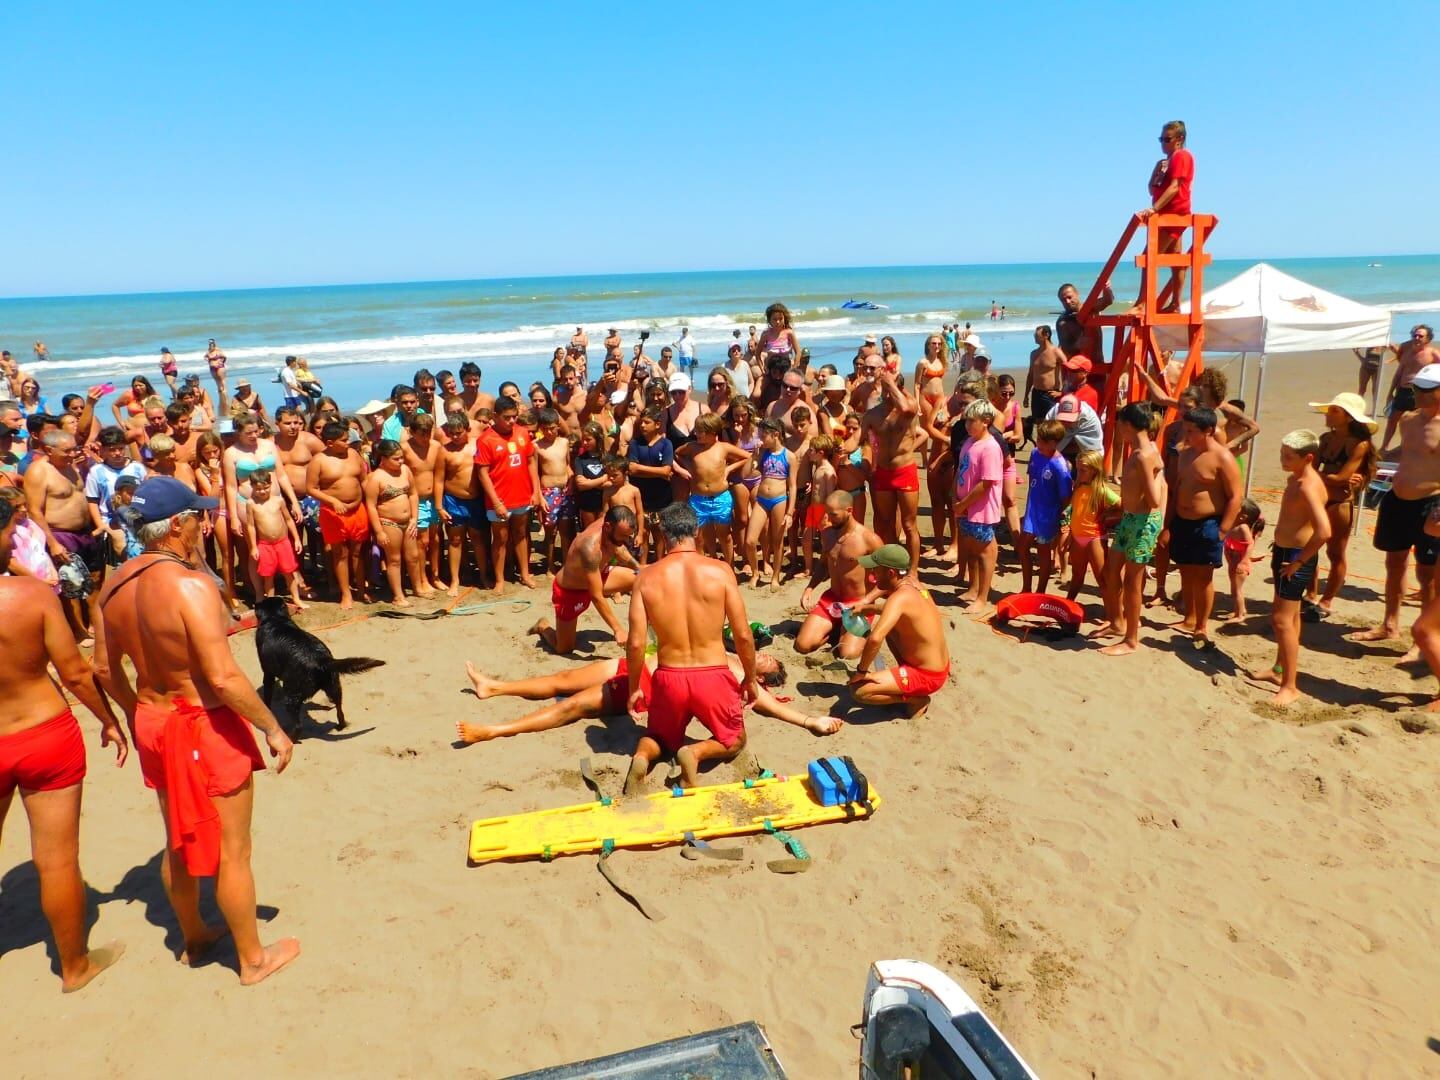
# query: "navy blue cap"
{"points": [[161, 497]]}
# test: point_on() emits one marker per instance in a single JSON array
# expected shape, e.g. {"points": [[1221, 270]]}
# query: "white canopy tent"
{"points": [[1267, 311]]}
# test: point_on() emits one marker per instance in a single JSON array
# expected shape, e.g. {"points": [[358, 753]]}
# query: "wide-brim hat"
{"points": [[1353, 404], [373, 406]]}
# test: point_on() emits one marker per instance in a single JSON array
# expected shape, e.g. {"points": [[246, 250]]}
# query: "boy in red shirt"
{"points": [[1077, 381], [1170, 182], [510, 480]]}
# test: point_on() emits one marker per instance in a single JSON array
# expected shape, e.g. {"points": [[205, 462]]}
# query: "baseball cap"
{"points": [[1068, 411], [1079, 363], [735, 346], [679, 381], [891, 556], [161, 497], [833, 382], [980, 353], [1427, 378]]}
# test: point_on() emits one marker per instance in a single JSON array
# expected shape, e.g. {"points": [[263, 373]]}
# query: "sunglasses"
{"points": [[717, 386], [793, 389], [1007, 393]]}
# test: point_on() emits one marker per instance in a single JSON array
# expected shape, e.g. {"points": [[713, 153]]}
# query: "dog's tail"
{"points": [[353, 665]]}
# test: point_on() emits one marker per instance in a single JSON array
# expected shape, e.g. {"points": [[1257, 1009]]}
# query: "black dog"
{"points": [[299, 662]]}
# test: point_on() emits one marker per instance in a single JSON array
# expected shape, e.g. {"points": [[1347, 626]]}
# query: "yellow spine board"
{"points": [[658, 820]]}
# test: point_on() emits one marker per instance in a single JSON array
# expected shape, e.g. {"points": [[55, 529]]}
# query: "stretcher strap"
{"points": [[649, 911]]}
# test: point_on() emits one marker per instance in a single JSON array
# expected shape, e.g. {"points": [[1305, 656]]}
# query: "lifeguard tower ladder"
{"points": [[1135, 343]]}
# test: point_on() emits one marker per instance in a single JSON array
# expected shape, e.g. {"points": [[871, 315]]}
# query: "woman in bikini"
{"points": [[745, 434], [216, 359], [680, 417], [1346, 461], [393, 504], [249, 453], [939, 466], [778, 340], [132, 401], [930, 372], [852, 472], [890, 354]]}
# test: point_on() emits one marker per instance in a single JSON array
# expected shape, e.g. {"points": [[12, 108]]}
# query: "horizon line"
{"points": [[648, 273]]}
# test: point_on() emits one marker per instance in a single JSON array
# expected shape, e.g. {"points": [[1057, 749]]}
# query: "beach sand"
{"points": [[1137, 865]]}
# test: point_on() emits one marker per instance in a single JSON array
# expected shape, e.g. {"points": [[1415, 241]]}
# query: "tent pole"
{"points": [[1255, 415], [1244, 359]]}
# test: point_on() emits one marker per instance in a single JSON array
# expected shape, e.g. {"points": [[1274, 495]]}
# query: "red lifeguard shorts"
{"points": [[46, 757], [276, 557], [708, 694], [227, 749], [815, 516], [569, 604], [917, 682], [337, 528], [617, 689], [829, 606], [905, 478]]}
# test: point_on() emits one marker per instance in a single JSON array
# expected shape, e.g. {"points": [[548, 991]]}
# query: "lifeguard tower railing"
{"points": [[1134, 341]]}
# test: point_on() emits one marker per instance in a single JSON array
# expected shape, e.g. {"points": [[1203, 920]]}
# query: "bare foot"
{"points": [[483, 684], [1287, 695], [1158, 600], [527, 582], [473, 733], [917, 708], [346, 601], [195, 951], [276, 956], [635, 778], [1326, 606], [426, 593], [951, 557], [96, 961], [1377, 633], [453, 590], [775, 584], [298, 604], [401, 601], [1265, 675], [1185, 626], [541, 625], [823, 725], [1235, 617], [1412, 656], [1120, 648], [981, 611], [1106, 630]]}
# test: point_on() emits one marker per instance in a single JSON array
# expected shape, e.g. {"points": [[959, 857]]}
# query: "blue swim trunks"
{"points": [[310, 510], [714, 509], [514, 512], [426, 517], [977, 531], [467, 513]]}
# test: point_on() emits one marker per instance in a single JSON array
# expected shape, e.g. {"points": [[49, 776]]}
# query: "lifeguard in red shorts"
{"points": [[911, 624], [598, 565], [686, 599], [893, 434], [42, 754], [187, 702], [844, 541]]}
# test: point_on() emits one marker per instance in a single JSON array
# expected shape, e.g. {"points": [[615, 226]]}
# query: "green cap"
{"points": [[891, 556]]}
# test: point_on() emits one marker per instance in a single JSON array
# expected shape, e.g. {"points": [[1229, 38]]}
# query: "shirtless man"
{"points": [[55, 497], [1406, 508], [43, 754], [687, 599], [844, 543], [1043, 380], [295, 447], [601, 688], [461, 507], [711, 465], [1143, 501], [1072, 337], [591, 575], [169, 621], [580, 341], [1207, 500], [891, 429], [612, 342], [422, 454], [334, 478], [1410, 358], [569, 400], [792, 396], [910, 621], [470, 392], [867, 393]]}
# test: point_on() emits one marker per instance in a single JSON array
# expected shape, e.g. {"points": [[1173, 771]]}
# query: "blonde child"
{"points": [[823, 451], [774, 499], [273, 537], [1239, 545], [1093, 498]]}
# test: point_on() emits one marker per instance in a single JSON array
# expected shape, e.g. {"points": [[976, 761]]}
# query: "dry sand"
{"points": [[1137, 865]]}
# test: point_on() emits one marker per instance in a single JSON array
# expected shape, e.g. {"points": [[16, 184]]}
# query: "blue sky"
{"points": [[157, 146]]}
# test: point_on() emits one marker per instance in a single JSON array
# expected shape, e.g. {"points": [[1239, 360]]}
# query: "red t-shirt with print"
{"points": [[508, 459]]}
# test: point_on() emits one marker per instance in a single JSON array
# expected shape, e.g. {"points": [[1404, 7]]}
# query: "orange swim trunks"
{"points": [[46, 757], [617, 689], [336, 528], [815, 516], [917, 682], [905, 478], [708, 694]]}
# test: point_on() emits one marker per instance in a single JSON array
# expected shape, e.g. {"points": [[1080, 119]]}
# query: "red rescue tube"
{"points": [[1067, 613]]}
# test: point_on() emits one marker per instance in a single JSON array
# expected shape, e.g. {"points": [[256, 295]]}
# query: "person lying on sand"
{"points": [[600, 688], [911, 622]]}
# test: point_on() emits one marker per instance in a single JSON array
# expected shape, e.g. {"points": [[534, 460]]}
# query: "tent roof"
{"points": [[1265, 310]]}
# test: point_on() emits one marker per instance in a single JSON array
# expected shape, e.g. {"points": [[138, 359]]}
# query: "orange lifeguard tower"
{"points": [[1134, 339]]}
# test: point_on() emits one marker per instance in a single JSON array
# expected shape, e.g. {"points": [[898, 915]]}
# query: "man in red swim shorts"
{"points": [[891, 430], [42, 753], [185, 707], [687, 599], [843, 542], [588, 577], [911, 623]]}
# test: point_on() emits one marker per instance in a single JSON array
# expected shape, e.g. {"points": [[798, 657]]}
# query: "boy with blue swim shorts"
{"points": [[711, 466]]}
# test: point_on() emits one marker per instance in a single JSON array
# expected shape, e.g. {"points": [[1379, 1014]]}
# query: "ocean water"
{"points": [[361, 339]]}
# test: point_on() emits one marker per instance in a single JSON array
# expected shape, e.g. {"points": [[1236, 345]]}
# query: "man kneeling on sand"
{"points": [[602, 688], [911, 623], [590, 576]]}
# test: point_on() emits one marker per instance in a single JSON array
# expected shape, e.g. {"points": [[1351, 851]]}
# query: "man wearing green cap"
{"points": [[911, 622]]}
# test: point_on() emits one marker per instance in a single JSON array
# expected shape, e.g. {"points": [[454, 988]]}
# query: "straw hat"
{"points": [[1353, 404], [371, 407]]}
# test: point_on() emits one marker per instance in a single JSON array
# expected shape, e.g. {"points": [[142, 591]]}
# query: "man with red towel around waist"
{"points": [[42, 753], [687, 598], [187, 713]]}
